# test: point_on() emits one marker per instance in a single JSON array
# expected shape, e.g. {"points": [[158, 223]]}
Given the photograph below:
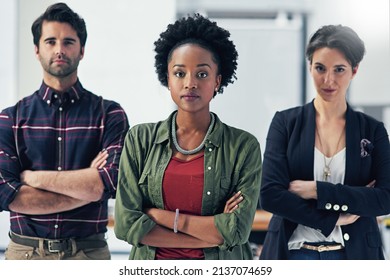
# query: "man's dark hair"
{"points": [[60, 12]]}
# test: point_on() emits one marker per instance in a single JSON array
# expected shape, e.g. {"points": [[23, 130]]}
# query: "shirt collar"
{"points": [[49, 95], [163, 133]]}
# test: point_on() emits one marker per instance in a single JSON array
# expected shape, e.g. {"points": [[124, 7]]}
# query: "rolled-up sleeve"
{"points": [[131, 224], [235, 227], [115, 128], [9, 162]]}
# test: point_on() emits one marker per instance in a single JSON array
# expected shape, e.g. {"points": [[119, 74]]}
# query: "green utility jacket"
{"points": [[232, 162]]}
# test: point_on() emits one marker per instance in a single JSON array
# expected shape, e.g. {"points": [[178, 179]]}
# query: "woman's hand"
{"points": [[232, 203], [371, 184], [304, 189], [346, 219]]}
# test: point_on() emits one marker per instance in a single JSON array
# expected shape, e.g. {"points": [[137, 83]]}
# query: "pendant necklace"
{"points": [[326, 170], [197, 149]]}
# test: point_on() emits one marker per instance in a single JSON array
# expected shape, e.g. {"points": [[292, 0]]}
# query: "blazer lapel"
{"points": [[305, 158]]}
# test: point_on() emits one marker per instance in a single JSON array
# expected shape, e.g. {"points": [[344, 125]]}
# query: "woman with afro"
{"points": [[189, 185]]}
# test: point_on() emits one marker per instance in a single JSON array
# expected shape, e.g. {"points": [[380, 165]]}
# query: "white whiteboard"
{"points": [[268, 74]]}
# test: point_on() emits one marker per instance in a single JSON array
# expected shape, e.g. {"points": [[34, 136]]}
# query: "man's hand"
{"points": [[31, 178], [100, 160]]}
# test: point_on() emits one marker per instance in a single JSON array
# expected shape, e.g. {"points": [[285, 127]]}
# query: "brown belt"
{"points": [[61, 245], [323, 248]]}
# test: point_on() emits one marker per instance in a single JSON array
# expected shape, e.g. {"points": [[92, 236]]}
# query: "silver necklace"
{"points": [[197, 149], [326, 170]]}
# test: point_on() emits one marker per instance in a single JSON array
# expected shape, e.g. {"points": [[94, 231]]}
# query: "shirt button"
{"points": [[210, 149], [208, 193], [60, 109], [48, 101], [328, 206], [346, 236], [344, 208], [59, 168], [336, 207], [55, 226], [59, 138], [55, 95], [72, 101], [209, 168]]}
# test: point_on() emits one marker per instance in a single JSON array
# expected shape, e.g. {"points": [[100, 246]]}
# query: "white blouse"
{"points": [[337, 171]]}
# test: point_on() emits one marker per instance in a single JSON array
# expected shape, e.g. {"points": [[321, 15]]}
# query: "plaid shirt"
{"points": [[49, 131]]}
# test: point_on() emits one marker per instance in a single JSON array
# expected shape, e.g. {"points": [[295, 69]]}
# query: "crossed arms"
{"points": [[47, 192]]}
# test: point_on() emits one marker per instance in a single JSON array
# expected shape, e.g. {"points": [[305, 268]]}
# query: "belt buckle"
{"points": [[322, 248], [54, 246]]}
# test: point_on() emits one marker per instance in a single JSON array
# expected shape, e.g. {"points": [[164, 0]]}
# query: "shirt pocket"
{"points": [[228, 186], [225, 192]]}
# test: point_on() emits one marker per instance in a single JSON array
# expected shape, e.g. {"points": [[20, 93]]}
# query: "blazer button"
{"points": [[336, 207], [344, 208], [346, 236], [328, 206]]}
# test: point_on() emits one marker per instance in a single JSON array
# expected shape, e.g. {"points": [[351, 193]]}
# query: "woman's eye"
{"points": [[179, 74], [320, 68], [202, 74], [339, 69]]}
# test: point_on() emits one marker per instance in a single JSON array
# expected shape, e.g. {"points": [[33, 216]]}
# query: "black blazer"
{"points": [[289, 155]]}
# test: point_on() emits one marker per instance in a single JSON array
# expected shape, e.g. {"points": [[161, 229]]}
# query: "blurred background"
{"points": [[270, 36]]}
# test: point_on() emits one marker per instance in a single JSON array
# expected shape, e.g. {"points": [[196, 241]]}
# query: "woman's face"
{"points": [[192, 77], [331, 73]]}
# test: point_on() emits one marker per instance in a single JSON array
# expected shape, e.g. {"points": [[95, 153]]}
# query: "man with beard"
{"points": [[59, 152]]}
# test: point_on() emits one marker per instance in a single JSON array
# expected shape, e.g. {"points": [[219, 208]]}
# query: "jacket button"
{"points": [[346, 236], [328, 206], [344, 208], [336, 207]]}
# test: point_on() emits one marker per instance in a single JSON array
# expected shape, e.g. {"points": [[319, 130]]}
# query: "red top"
{"points": [[183, 189]]}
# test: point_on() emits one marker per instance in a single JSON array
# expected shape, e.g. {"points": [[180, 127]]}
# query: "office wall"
{"points": [[251, 102], [8, 53]]}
